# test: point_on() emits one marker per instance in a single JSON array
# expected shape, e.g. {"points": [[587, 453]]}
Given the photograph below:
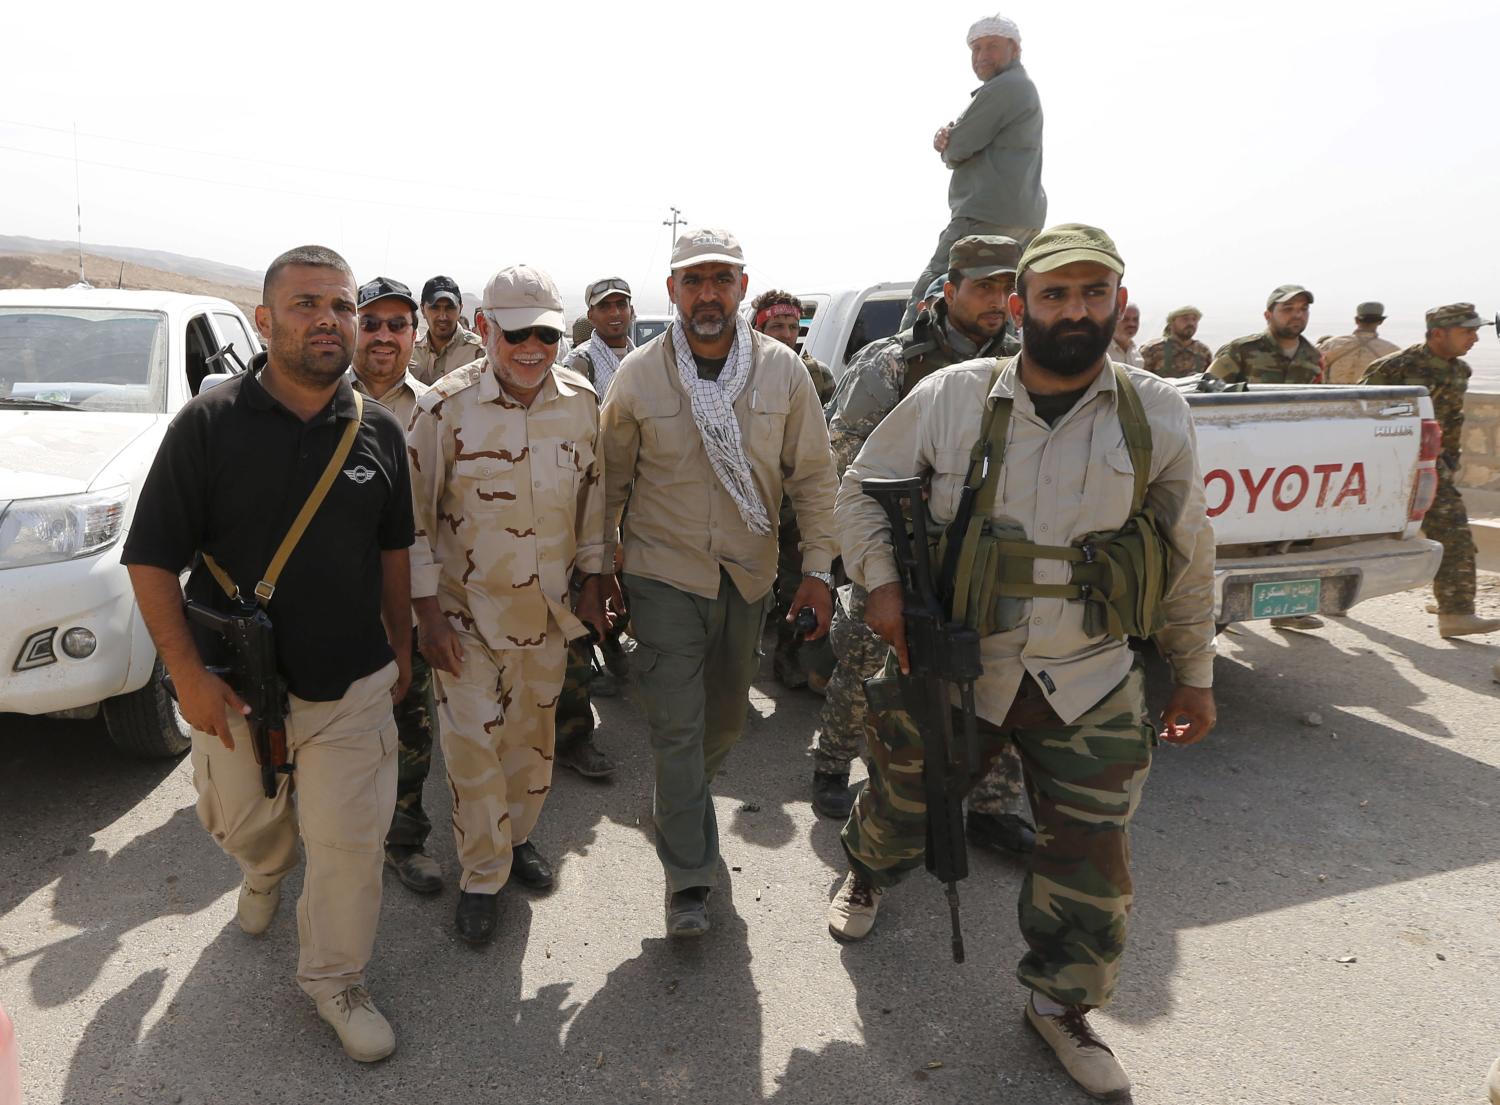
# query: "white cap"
{"points": [[995, 25], [705, 244], [521, 296]]}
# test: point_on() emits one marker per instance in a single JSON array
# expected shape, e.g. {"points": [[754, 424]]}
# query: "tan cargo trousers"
{"points": [[345, 757], [497, 725]]}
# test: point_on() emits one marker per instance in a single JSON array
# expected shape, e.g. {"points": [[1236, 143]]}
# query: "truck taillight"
{"points": [[1424, 483]]}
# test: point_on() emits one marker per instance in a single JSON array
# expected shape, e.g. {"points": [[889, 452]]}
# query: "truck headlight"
{"points": [[45, 531]]}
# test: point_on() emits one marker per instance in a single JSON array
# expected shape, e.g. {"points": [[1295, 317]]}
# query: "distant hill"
{"points": [[37, 263]]}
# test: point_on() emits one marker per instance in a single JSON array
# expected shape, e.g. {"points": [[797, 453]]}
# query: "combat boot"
{"points": [[1001, 832], [529, 868], [1087, 1059], [415, 868], [831, 796], [365, 1034], [584, 757], [478, 917], [256, 909], [851, 914], [687, 912], [1465, 625]]}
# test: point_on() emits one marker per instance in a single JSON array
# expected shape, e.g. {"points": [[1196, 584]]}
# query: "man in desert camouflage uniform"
{"points": [[1279, 354], [1346, 358], [778, 314], [969, 321], [446, 345], [382, 350], [507, 492], [1176, 353], [1436, 364]]}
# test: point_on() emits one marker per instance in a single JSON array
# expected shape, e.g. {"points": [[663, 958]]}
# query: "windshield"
{"points": [[92, 358]]}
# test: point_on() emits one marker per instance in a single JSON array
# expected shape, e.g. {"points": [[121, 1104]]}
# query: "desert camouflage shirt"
{"points": [[1345, 358], [884, 371], [430, 367], [1446, 381], [507, 499], [1171, 357], [1257, 359]]}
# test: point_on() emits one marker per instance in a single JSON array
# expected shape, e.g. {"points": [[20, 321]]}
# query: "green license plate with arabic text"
{"points": [[1285, 599]]}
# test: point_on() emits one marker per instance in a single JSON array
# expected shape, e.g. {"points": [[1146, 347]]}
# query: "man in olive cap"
{"points": [[994, 150], [1279, 354], [969, 319], [1346, 358], [1177, 353], [1056, 684], [1436, 364]]}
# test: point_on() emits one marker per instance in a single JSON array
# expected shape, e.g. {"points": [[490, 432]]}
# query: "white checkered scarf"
{"points": [[713, 410], [605, 360]]}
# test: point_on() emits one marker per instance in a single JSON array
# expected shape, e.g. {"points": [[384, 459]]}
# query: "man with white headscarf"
{"points": [[995, 151], [704, 428]]}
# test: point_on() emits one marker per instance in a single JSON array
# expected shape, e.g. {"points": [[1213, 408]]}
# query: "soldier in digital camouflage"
{"points": [[969, 319], [1176, 353], [1345, 358], [509, 500], [1279, 354], [1069, 695], [778, 315], [1437, 364]]}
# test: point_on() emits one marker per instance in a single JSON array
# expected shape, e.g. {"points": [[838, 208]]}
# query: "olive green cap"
{"points": [[1069, 242], [1455, 314], [1180, 311], [981, 255], [1286, 293], [1370, 309]]}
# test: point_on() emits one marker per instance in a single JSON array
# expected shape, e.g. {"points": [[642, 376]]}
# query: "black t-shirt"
{"points": [[710, 367], [1049, 408], [233, 470]]}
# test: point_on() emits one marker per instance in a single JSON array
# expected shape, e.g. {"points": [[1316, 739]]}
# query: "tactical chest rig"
{"points": [[1120, 576]]}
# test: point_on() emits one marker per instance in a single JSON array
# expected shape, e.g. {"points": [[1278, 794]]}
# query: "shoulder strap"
{"points": [[267, 586], [1137, 434]]}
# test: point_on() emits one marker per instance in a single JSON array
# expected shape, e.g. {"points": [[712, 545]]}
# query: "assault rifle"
{"points": [[940, 652], [253, 675]]}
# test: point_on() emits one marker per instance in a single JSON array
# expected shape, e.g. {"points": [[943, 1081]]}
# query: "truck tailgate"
{"points": [[1300, 463]]}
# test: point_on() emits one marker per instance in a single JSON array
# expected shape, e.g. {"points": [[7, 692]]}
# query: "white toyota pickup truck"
{"points": [[1316, 493], [88, 382]]}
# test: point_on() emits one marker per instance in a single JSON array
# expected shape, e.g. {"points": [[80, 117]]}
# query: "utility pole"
{"points": [[78, 200], [674, 222]]}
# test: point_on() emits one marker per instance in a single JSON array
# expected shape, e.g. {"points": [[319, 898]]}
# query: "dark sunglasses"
{"points": [[544, 334], [371, 325]]}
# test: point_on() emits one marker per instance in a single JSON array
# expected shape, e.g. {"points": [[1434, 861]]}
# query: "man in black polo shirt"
{"points": [[234, 469]]}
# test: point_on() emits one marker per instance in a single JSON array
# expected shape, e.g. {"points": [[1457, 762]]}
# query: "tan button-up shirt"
{"points": [[430, 367], [682, 526], [1345, 358], [507, 499], [1057, 484], [400, 400]]}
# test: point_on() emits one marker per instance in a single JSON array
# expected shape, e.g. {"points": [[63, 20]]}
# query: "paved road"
{"points": [[1317, 921]]}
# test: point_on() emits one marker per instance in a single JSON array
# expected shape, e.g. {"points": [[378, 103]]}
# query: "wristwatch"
{"points": [[825, 578]]}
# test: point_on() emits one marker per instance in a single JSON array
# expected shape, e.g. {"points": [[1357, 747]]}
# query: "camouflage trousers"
{"points": [[1447, 522], [846, 717], [410, 823], [575, 712], [788, 579], [497, 735], [1085, 781]]}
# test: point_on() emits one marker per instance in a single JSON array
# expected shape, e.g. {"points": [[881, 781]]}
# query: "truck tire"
{"points": [[146, 723]]}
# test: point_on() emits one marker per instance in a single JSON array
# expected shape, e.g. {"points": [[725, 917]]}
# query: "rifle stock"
{"points": [[940, 652]]}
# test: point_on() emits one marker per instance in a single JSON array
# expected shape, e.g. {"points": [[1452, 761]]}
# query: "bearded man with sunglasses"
{"points": [[509, 502], [382, 350]]}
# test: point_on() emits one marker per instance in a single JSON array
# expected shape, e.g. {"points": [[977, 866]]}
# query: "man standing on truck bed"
{"points": [[1057, 682], [382, 351], [1176, 353], [230, 482], [995, 151], [446, 345], [969, 320], [1346, 358], [1436, 364]]}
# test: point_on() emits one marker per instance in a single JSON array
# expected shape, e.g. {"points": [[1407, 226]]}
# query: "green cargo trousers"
{"points": [[1084, 781], [694, 661]]}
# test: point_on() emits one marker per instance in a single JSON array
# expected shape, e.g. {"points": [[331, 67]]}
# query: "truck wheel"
{"points": [[146, 723]]}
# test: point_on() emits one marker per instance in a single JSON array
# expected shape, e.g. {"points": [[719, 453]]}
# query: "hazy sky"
{"points": [[1229, 147]]}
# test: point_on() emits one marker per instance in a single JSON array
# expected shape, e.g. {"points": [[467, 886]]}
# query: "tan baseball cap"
{"points": [[1069, 242], [705, 245], [1286, 293], [522, 296], [601, 290]]}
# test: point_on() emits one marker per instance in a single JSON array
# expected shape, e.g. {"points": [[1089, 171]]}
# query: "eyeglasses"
{"points": [[544, 334], [371, 325]]}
